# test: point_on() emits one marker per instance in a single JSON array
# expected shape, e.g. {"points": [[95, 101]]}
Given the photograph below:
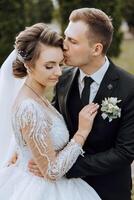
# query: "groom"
{"points": [[109, 149]]}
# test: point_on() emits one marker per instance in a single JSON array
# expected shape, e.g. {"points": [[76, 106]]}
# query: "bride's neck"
{"points": [[37, 87]]}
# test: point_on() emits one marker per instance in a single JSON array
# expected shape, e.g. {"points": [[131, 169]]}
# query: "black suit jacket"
{"points": [[109, 149]]}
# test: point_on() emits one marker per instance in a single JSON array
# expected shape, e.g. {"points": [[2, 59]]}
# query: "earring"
{"points": [[28, 70]]}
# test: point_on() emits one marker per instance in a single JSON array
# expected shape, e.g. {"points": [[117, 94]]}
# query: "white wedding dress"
{"points": [[17, 183]]}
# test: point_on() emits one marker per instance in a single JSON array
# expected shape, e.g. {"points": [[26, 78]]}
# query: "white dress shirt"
{"points": [[97, 77]]}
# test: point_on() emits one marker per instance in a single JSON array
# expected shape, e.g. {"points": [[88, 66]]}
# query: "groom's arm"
{"points": [[120, 155]]}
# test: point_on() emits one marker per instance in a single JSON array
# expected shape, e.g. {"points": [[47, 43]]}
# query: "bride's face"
{"points": [[47, 67]]}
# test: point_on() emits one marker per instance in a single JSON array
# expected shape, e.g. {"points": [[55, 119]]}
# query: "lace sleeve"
{"points": [[35, 128]]}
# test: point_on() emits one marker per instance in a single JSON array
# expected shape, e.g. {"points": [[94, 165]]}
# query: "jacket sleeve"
{"points": [[114, 158]]}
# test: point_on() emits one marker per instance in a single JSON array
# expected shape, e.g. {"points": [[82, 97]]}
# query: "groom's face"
{"points": [[77, 47]]}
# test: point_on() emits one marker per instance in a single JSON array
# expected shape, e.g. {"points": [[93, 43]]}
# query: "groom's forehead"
{"points": [[69, 29], [75, 28]]}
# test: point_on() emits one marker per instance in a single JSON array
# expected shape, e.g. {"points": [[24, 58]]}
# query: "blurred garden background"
{"points": [[17, 14]]}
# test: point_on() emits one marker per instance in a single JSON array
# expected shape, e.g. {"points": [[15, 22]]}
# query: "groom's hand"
{"points": [[13, 159], [33, 168]]}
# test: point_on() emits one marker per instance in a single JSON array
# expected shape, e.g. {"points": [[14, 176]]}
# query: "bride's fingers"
{"points": [[93, 109], [93, 115], [92, 105], [90, 109], [89, 106]]}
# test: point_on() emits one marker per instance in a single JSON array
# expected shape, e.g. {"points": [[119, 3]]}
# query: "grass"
{"points": [[126, 58], [133, 192]]}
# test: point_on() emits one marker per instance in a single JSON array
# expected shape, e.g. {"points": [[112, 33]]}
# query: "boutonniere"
{"points": [[110, 109]]}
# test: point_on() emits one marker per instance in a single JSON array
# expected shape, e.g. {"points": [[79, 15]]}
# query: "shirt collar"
{"points": [[98, 75]]}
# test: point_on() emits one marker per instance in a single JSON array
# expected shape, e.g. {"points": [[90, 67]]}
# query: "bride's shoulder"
{"points": [[27, 106], [28, 111]]}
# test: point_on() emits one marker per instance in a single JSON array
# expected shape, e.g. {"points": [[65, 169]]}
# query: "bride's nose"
{"points": [[58, 71]]}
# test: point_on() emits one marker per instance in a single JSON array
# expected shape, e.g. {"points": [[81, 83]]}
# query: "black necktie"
{"points": [[86, 90]]}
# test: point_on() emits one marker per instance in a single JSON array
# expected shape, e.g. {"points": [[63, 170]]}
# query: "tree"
{"points": [[45, 10], [10, 24], [15, 15], [112, 8], [129, 14]]}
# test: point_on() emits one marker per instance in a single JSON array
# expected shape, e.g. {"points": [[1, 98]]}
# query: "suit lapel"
{"points": [[65, 88], [108, 84], [71, 77]]}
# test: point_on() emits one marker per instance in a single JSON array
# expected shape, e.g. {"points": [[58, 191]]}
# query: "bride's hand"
{"points": [[86, 118], [33, 168]]}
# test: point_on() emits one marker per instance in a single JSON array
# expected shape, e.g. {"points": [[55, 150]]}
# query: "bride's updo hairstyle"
{"points": [[27, 45]]}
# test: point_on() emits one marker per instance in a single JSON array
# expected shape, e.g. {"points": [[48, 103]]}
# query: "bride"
{"points": [[39, 130]]}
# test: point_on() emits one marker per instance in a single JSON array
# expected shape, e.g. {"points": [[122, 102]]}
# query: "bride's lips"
{"points": [[54, 79]]}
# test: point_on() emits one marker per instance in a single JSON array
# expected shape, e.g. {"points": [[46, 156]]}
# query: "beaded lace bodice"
{"points": [[41, 133]]}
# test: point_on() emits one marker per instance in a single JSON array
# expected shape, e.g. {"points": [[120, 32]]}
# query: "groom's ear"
{"points": [[97, 50]]}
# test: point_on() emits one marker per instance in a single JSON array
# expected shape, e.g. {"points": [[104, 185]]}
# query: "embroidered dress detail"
{"points": [[35, 125], [41, 134]]}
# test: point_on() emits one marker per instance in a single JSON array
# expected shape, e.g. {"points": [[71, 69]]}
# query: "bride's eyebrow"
{"points": [[53, 62], [50, 62]]}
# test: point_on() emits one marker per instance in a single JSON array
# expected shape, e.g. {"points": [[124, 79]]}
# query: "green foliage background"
{"points": [[112, 8], [15, 15], [128, 13]]}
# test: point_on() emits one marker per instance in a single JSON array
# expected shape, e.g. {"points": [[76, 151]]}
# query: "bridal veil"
{"points": [[9, 87]]}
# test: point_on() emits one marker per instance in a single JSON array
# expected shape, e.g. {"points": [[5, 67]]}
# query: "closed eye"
{"points": [[72, 40], [47, 67]]}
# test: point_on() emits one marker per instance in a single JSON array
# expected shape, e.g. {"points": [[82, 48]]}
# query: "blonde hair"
{"points": [[100, 25]]}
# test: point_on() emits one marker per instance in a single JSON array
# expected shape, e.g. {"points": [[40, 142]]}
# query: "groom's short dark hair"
{"points": [[100, 25]]}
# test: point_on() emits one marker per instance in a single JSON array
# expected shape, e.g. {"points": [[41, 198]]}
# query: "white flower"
{"points": [[110, 109]]}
